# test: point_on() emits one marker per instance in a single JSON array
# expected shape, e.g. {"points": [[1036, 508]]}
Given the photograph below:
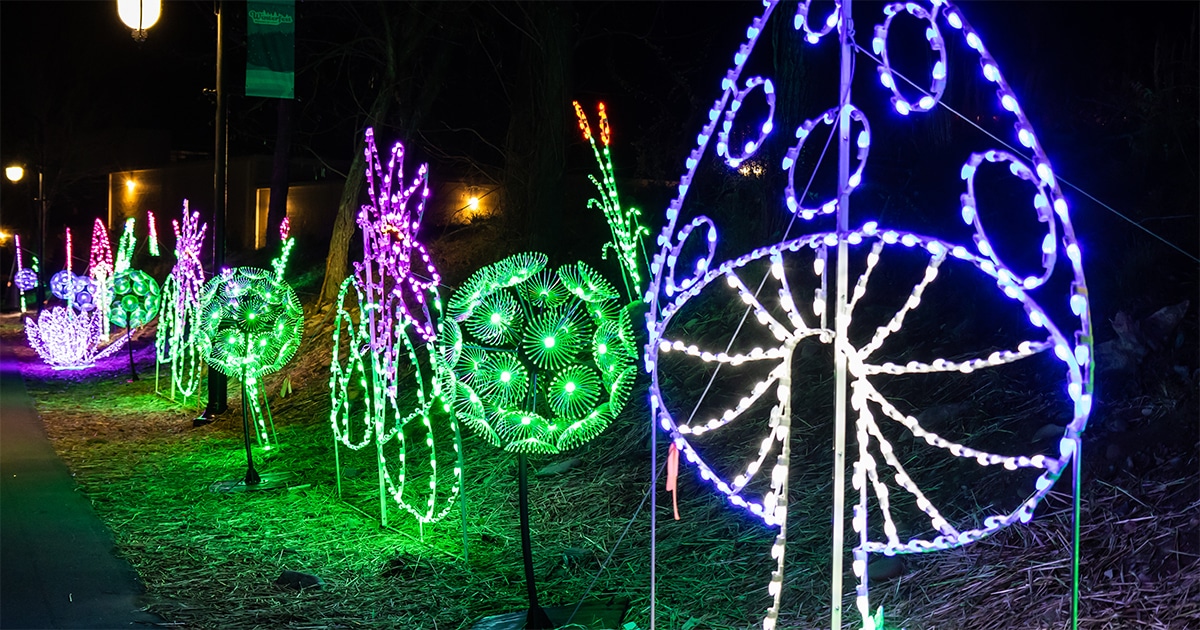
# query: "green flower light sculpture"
{"points": [[250, 325], [135, 299], [389, 380], [544, 359]]}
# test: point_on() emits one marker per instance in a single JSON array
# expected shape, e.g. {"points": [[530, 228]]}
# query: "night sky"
{"points": [[81, 95]]}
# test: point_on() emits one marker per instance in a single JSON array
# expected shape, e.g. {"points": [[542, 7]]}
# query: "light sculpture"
{"points": [[125, 247], [249, 326], [26, 279], [134, 304], [390, 385], [544, 359], [83, 294], [625, 223], [279, 264], [100, 270], [135, 299], [69, 340], [154, 251], [175, 342], [1052, 301]]}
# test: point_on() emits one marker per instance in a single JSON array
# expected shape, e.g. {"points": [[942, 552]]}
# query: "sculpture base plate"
{"points": [[603, 614], [269, 482]]}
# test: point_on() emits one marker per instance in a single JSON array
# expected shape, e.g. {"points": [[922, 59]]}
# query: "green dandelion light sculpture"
{"points": [[250, 326], [544, 359]]}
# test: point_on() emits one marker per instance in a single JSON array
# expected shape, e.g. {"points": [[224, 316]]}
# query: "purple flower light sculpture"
{"points": [[175, 340], [390, 330]]}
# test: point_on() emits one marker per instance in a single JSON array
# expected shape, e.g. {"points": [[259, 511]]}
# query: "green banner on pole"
{"points": [[270, 44]]}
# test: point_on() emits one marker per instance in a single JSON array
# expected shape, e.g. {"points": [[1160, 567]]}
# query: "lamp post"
{"points": [[140, 15], [16, 173]]}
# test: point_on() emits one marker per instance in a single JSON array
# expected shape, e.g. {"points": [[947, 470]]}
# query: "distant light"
{"points": [[139, 15], [473, 203], [130, 185], [14, 173]]}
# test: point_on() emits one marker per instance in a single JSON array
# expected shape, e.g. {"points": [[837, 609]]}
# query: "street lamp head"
{"points": [[14, 173], [139, 15]]}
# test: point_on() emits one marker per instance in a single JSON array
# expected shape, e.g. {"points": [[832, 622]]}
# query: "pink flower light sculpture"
{"points": [[101, 269]]}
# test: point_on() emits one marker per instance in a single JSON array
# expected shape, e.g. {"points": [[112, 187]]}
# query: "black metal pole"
{"points": [[129, 344], [218, 384], [536, 618], [42, 266], [252, 478]]}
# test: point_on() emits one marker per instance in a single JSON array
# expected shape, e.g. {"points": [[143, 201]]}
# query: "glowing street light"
{"points": [[473, 203], [14, 173], [139, 15]]}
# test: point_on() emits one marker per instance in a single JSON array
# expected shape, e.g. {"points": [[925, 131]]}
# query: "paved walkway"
{"points": [[57, 566]]}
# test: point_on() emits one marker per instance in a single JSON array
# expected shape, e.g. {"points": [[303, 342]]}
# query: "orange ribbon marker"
{"points": [[673, 477]]}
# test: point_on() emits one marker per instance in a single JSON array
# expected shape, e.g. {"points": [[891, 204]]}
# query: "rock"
{"points": [[1158, 329], [558, 468], [937, 416], [882, 569], [299, 581], [1049, 431]]}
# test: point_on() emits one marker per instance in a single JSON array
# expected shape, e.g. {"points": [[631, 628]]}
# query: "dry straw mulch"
{"points": [[209, 560]]}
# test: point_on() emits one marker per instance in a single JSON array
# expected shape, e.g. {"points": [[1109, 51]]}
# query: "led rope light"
{"points": [[153, 233], [395, 331], [175, 342], [624, 223], [125, 247], [101, 269], [675, 283], [67, 340]]}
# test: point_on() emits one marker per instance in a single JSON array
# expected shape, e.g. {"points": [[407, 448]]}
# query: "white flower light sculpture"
{"points": [[67, 340], [1053, 301]]}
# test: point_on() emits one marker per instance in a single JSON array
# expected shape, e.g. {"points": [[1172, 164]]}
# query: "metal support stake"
{"points": [[840, 346]]}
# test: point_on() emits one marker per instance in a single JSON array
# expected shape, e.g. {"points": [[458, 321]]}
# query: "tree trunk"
{"points": [[344, 225], [404, 35], [537, 132]]}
